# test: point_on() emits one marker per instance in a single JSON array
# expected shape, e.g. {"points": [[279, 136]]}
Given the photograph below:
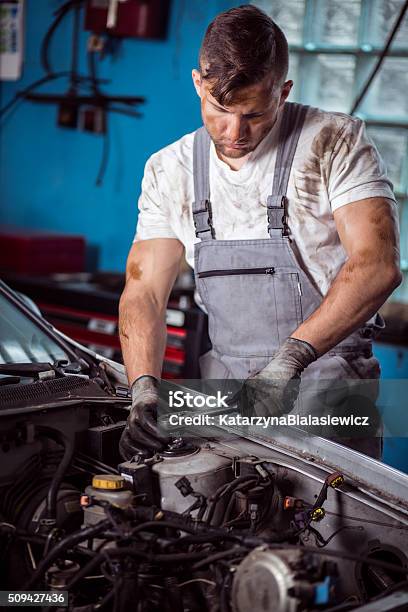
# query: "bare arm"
{"points": [[151, 270], [368, 230]]}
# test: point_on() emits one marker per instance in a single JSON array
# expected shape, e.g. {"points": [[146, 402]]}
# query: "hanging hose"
{"points": [[381, 58], [59, 16], [69, 542], [60, 438]]}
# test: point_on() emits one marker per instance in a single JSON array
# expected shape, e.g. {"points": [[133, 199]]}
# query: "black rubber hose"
{"points": [[211, 534], [20, 95], [168, 524], [68, 542], [59, 16], [47, 39], [105, 150], [156, 558], [133, 552], [93, 73], [219, 555], [223, 490], [95, 463], [174, 601], [228, 510], [203, 538], [175, 521], [231, 503], [106, 599], [381, 58], [67, 443], [225, 593], [84, 571]]}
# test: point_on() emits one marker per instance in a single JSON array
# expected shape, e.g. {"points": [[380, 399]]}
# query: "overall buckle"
{"points": [[276, 210], [203, 219]]}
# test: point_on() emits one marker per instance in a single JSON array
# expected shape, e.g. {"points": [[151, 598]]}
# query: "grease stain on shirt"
{"points": [[335, 164]]}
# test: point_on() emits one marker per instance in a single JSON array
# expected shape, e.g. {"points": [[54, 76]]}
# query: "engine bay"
{"points": [[211, 524]]}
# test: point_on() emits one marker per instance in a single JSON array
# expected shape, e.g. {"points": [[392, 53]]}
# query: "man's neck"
{"points": [[233, 163]]}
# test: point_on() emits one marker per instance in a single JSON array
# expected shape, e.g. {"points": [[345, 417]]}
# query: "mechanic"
{"points": [[287, 216]]}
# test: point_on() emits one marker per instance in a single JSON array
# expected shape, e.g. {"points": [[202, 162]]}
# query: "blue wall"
{"points": [[47, 175]]}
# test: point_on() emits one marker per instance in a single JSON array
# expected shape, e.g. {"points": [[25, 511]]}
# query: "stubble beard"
{"points": [[232, 153], [238, 153]]}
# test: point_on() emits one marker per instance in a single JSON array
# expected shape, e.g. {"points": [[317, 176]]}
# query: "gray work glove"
{"points": [[142, 435], [274, 390]]}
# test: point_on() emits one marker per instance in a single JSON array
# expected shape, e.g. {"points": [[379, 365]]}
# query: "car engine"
{"points": [[212, 524]]}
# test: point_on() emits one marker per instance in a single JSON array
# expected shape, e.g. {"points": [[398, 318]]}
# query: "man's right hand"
{"points": [[142, 435]]}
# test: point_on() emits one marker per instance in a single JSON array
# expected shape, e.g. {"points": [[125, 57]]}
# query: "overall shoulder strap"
{"points": [[201, 171], [290, 129]]}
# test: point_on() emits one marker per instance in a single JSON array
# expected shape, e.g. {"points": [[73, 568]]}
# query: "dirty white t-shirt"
{"points": [[335, 164]]}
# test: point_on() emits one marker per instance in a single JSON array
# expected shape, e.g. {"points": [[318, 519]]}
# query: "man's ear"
{"points": [[197, 81], [285, 91]]}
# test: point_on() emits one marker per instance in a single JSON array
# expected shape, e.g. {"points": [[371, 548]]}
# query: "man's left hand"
{"points": [[274, 390]]}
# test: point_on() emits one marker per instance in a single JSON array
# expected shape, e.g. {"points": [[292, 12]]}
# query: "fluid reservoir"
{"points": [[205, 470], [107, 487]]}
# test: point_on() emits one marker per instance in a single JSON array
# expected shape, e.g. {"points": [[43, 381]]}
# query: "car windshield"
{"points": [[21, 341]]}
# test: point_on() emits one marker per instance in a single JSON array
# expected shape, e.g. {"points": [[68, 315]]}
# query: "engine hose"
{"points": [[182, 523], [158, 558], [174, 601], [203, 538], [225, 592], [224, 490], [168, 524], [106, 599], [232, 501], [10, 530], [239, 550], [68, 542], [210, 534], [85, 570], [111, 553], [201, 556], [67, 443]]}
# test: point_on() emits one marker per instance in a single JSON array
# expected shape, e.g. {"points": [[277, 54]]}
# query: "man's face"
{"points": [[237, 129]]}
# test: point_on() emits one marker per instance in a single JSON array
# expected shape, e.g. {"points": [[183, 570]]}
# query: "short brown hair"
{"points": [[240, 47]]}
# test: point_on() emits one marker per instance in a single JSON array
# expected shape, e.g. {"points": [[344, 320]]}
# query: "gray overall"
{"points": [[255, 292]]}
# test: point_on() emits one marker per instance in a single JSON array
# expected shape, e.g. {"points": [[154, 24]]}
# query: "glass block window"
{"points": [[379, 21], [287, 13], [333, 48], [335, 22]]}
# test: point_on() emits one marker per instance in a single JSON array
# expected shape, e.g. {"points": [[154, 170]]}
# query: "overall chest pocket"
{"points": [[251, 311]]}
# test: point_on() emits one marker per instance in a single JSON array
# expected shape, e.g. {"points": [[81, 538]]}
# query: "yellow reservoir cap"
{"points": [[108, 481]]}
